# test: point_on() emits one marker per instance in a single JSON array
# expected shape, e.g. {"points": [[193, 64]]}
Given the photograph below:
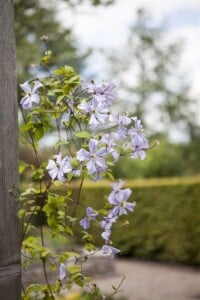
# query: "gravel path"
{"points": [[153, 281]]}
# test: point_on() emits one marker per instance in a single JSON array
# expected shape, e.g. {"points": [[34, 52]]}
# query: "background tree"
{"points": [[35, 18], [153, 89], [148, 72]]}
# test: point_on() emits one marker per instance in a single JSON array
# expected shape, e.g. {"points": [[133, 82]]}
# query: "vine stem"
{"points": [[41, 227], [78, 198], [44, 264], [117, 289]]}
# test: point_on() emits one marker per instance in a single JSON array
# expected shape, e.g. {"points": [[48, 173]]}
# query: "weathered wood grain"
{"points": [[10, 283]]}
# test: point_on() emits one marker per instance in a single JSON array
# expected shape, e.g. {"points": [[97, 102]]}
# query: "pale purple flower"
{"points": [[123, 120], [31, 98], [110, 144], [117, 193], [90, 215], [107, 222], [121, 207], [107, 249], [104, 93], [62, 272], [118, 198], [106, 235], [59, 167], [98, 112], [121, 133], [138, 145], [95, 163], [136, 132]]}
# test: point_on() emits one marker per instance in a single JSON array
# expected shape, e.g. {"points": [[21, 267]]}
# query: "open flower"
{"points": [[59, 167], [104, 93], [107, 249], [90, 215], [95, 163], [138, 146], [110, 144], [98, 112], [31, 98], [118, 197]]}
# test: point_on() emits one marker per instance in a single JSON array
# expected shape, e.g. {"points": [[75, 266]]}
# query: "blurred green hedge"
{"points": [[166, 223]]}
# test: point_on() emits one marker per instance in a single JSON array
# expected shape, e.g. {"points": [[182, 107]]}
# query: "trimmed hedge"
{"points": [[166, 223]]}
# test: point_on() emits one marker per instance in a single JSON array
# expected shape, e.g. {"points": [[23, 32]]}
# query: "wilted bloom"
{"points": [[62, 271], [31, 97], [95, 163], [90, 215], [59, 167]]}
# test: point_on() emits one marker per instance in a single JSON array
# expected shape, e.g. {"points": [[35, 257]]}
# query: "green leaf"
{"points": [[60, 143], [69, 230], [66, 255], [21, 213], [59, 99], [22, 166], [83, 134], [74, 269], [90, 247], [27, 127], [45, 252]]}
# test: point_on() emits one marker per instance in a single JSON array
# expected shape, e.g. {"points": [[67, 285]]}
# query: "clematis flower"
{"points": [[31, 98], [106, 235], [107, 249], [107, 222], [98, 112], [136, 133], [109, 142], [90, 215], [121, 207], [59, 167], [121, 133], [104, 93], [95, 163], [118, 198], [118, 193], [62, 272], [138, 146], [123, 120]]}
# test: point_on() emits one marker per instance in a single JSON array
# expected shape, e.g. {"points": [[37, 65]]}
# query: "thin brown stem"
{"points": [[117, 289], [77, 201]]}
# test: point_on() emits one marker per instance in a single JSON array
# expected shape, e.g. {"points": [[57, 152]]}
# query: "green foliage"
{"points": [[165, 160], [45, 213], [166, 223]]}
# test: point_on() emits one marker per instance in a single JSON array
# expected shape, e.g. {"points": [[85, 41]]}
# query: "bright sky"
{"points": [[107, 27]]}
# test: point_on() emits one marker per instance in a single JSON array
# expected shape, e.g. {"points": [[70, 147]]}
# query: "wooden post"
{"points": [[10, 278]]}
